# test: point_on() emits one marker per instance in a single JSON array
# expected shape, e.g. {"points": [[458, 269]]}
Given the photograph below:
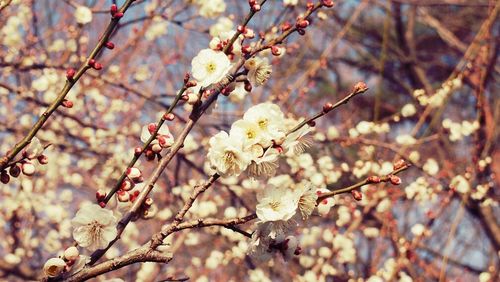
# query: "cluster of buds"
{"points": [[328, 3], [54, 267], [254, 5], [33, 151], [246, 31], [301, 24], [113, 10], [94, 64]]}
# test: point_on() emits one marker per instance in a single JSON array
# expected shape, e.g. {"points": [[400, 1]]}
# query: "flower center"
{"points": [[274, 205], [263, 123], [251, 134], [229, 158], [211, 67]]}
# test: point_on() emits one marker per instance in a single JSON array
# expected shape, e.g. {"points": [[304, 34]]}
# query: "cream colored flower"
{"points": [[264, 166], [460, 184], [307, 199], [270, 120], [210, 66], [94, 227], [34, 149], [226, 155], [249, 132], [83, 15], [325, 205], [298, 141], [54, 267], [276, 204], [259, 70]]}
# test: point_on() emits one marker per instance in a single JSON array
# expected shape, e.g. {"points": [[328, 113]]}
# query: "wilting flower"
{"points": [[265, 165], [210, 66], [259, 70], [94, 227], [298, 141], [83, 15], [54, 267], [276, 204], [226, 155]]}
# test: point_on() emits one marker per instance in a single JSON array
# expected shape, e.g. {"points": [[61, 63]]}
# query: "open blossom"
{"points": [[276, 204], [226, 154], [259, 70], [34, 149], [94, 227], [210, 66], [211, 9], [270, 120], [307, 199], [264, 165], [298, 141], [249, 132], [83, 15]]}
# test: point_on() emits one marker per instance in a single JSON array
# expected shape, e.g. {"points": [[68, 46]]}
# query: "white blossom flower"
{"points": [[276, 204], [223, 24], [226, 155], [408, 110], [298, 141], [307, 199], [164, 138], [265, 165], [269, 118], [94, 227], [83, 15], [211, 9], [54, 267], [460, 184], [431, 166], [249, 132], [259, 70], [210, 66]]}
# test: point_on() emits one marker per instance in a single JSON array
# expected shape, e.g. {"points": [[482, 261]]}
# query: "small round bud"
{"points": [[70, 73], [54, 267], [301, 31], [156, 148], [97, 66], [373, 179], [310, 5], [249, 33], [28, 169], [151, 128], [256, 7], [113, 9], [100, 195], [327, 107], [127, 185], [246, 49], [102, 204], [399, 164], [110, 45], [43, 160], [357, 195], [395, 180], [241, 28], [67, 104], [327, 3], [169, 116], [91, 62], [360, 87], [133, 173], [4, 177], [71, 253], [302, 23], [150, 155], [311, 123], [275, 50], [123, 196], [148, 202], [191, 83], [251, 2], [285, 26], [137, 151], [118, 15], [14, 170]]}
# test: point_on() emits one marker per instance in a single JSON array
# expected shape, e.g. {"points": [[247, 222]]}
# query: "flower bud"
{"points": [[360, 87], [123, 196], [148, 202], [248, 86], [100, 195], [113, 9], [15, 170], [249, 33], [285, 26], [137, 151], [150, 155], [192, 99], [127, 185], [28, 168], [67, 104], [169, 116], [110, 45], [156, 148], [151, 128], [133, 173], [275, 50], [91, 62], [43, 160], [327, 107], [191, 83], [302, 23], [373, 179], [70, 73], [71, 253], [301, 31], [97, 66], [251, 2], [357, 195], [118, 15], [327, 3], [256, 7], [399, 164], [395, 180], [4, 177], [186, 77], [54, 267], [246, 49], [241, 28]]}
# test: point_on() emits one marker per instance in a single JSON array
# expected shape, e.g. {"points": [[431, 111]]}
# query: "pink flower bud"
{"points": [[123, 196], [137, 151], [43, 160], [395, 180], [28, 168], [191, 83], [91, 62], [246, 49], [249, 33], [357, 195], [67, 104], [360, 87], [275, 50], [100, 195], [327, 3], [373, 179], [302, 23], [151, 128], [156, 148], [118, 15], [148, 202], [70, 73], [113, 9], [327, 107], [186, 77], [251, 2], [127, 185], [241, 28], [97, 66], [169, 116], [399, 164], [285, 26], [256, 7], [110, 45], [165, 141]]}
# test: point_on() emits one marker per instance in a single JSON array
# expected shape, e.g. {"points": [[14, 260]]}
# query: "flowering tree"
{"points": [[220, 140]]}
